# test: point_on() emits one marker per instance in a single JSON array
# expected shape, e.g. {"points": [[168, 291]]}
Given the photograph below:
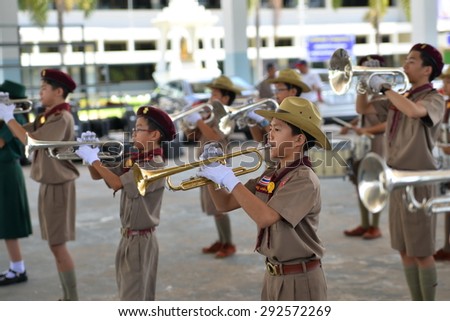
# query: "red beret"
{"points": [[434, 55], [161, 119], [60, 78], [372, 57]]}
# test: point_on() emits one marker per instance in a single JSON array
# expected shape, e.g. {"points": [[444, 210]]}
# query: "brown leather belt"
{"points": [[126, 232], [283, 269]]}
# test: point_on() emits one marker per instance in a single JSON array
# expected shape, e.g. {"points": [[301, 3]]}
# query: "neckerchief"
{"points": [[141, 157], [43, 117], [397, 114], [274, 179]]}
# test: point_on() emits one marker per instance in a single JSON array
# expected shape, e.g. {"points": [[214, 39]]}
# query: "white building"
{"points": [[118, 50]]}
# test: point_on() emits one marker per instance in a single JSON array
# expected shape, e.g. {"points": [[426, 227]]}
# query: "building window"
{"points": [[84, 46], [385, 38], [112, 4], [47, 47], [360, 39], [150, 4], [360, 3], [210, 4], [26, 48], [145, 45], [115, 46], [283, 42], [119, 73], [316, 4]]}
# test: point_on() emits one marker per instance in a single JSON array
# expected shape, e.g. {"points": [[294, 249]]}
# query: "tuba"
{"points": [[376, 180], [145, 177], [341, 73], [65, 150]]}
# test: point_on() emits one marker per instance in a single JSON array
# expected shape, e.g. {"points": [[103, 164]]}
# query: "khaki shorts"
{"points": [[412, 232]]}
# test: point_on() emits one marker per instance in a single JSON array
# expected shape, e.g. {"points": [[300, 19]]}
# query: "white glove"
{"points": [[362, 87], [373, 63], [219, 174], [87, 153], [7, 112], [88, 137], [375, 84], [257, 118], [193, 118], [4, 97], [211, 150]]}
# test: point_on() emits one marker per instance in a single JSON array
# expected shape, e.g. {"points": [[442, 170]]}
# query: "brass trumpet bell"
{"points": [[145, 177], [376, 180], [341, 73]]}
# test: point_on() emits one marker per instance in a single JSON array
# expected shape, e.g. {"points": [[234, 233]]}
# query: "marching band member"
{"points": [[138, 250], [224, 91], [443, 254], [56, 201], [370, 124], [15, 219], [413, 124], [284, 202]]}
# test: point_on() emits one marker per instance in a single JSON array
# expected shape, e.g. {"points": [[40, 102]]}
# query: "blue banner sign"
{"points": [[320, 48]]}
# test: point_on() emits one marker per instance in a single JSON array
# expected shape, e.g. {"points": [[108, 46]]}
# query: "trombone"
{"points": [[54, 148], [341, 73], [145, 177]]}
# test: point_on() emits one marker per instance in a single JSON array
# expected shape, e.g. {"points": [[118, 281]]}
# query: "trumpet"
{"points": [[376, 180], [239, 114], [145, 177], [215, 110], [341, 73], [22, 105], [54, 148]]}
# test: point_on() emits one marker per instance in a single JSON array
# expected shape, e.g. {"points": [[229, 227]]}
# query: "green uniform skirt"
{"points": [[14, 212]]}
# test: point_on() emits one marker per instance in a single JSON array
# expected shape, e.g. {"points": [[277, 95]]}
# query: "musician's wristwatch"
{"points": [[384, 88]]}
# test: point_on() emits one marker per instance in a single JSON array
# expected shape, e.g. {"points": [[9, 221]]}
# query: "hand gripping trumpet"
{"points": [[145, 177], [22, 105], [64, 150]]}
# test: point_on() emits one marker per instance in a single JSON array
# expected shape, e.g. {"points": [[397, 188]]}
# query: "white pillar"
{"points": [[9, 55], [235, 42], [423, 21]]}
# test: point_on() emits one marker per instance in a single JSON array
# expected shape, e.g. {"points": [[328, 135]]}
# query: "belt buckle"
{"points": [[271, 269], [124, 232]]}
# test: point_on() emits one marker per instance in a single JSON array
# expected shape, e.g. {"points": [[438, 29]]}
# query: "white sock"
{"points": [[18, 266]]}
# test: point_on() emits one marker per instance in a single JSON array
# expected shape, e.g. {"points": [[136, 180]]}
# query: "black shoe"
{"points": [[18, 278]]}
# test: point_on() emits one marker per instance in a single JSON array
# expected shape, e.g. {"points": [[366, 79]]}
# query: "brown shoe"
{"points": [[225, 251], [441, 255], [372, 233], [213, 248], [358, 231]]}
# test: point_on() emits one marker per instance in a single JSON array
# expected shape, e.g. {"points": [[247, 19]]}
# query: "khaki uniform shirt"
{"points": [[409, 144], [137, 256], [57, 128], [293, 239]]}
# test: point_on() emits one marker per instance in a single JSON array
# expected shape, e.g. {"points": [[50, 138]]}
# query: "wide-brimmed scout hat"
{"points": [[301, 113], [15, 90], [223, 82], [291, 76]]}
